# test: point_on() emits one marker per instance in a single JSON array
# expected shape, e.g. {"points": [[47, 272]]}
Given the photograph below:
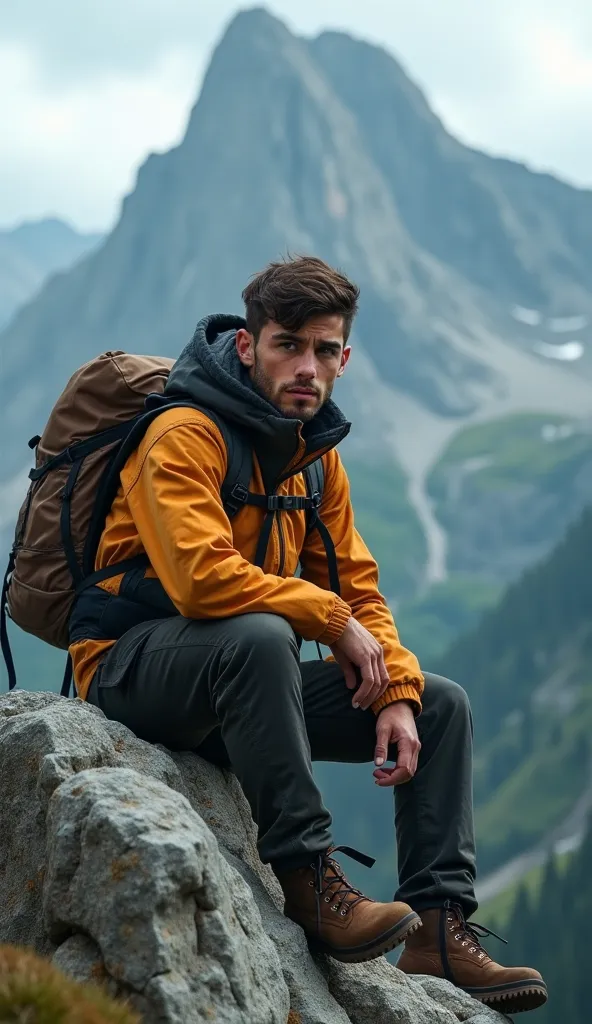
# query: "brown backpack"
{"points": [[53, 541]]}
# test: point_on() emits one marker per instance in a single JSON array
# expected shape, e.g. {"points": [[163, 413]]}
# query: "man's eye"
{"points": [[288, 345], [327, 350]]}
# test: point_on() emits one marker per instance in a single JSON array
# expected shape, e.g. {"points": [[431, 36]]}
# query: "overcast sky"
{"points": [[89, 87]]}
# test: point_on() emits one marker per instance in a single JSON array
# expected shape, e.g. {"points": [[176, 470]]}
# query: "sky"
{"points": [[89, 88]]}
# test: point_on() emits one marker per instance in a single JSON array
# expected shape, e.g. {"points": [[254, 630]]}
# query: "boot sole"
{"points": [[370, 950], [515, 998]]}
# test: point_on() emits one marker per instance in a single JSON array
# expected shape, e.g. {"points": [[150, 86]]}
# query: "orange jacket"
{"points": [[169, 507]]}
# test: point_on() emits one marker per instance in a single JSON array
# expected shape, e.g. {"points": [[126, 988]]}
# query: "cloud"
{"points": [[564, 62], [93, 87], [75, 153], [73, 40]]}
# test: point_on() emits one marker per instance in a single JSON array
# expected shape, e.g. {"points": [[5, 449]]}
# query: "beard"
{"points": [[289, 405]]}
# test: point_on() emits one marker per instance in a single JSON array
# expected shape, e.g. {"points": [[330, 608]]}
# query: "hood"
{"points": [[209, 373]]}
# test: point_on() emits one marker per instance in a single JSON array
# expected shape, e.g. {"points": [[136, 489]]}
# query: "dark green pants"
{"points": [[235, 691]]}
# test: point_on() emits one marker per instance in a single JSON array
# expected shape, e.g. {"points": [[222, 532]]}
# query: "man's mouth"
{"points": [[301, 392]]}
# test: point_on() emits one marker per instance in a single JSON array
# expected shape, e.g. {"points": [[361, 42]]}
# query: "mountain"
{"points": [[528, 670], [30, 253], [519, 236], [475, 319]]}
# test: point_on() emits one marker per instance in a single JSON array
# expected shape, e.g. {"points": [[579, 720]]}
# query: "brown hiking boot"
{"points": [[338, 919], [448, 947]]}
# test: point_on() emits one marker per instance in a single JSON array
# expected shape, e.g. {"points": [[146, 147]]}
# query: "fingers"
{"points": [[382, 742], [376, 684], [384, 777], [373, 688], [407, 757], [370, 687], [358, 645], [416, 748]]}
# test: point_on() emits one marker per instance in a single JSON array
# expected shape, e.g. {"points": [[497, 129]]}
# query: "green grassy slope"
{"points": [[507, 490]]}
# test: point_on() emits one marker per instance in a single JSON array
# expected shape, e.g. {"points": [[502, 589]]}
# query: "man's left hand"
{"points": [[395, 725]]}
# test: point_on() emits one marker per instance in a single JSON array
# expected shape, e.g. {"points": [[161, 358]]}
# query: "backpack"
{"points": [[95, 425]]}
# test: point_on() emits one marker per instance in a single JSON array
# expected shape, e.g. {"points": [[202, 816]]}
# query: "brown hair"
{"points": [[295, 289]]}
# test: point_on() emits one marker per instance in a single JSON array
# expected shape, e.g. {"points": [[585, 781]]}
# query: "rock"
{"points": [[133, 866], [19, 702], [216, 795], [377, 993], [110, 861], [310, 999], [81, 959], [462, 1005], [38, 750]]}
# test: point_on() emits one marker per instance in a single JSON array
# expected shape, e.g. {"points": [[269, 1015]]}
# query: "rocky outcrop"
{"points": [[137, 868]]}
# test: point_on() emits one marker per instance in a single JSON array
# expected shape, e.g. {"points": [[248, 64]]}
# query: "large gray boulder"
{"points": [[138, 869]]}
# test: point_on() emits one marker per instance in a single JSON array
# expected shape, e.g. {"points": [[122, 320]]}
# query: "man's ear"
{"points": [[245, 347], [344, 360]]}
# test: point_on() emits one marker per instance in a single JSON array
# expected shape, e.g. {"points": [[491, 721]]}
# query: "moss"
{"points": [[33, 991]]}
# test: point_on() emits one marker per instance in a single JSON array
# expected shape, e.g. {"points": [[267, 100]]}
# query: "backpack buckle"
{"points": [[315, 500], [240, 494], [287, 503]]}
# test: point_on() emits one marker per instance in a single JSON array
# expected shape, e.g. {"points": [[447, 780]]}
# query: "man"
{"points": [[201, 649]]}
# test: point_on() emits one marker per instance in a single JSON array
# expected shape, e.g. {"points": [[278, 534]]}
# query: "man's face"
{"points": [[296, 371]]}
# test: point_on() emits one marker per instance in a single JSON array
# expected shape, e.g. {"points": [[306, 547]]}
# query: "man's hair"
{"points": [[294, 290]]}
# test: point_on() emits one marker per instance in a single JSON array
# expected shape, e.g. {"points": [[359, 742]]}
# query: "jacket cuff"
{"points": [[399, 691], [336, 624]]}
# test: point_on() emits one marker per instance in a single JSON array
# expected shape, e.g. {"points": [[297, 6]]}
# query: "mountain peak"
{"points": [[254, 25], [323, 146]]}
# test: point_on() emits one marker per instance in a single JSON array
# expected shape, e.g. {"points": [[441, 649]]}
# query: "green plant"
{"points": [[33, 991]]}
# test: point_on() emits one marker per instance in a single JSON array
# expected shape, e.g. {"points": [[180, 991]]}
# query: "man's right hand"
{"points": [[357, 648]]}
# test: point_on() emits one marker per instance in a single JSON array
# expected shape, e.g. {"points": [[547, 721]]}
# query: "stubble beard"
{"points": [[267, 387]]}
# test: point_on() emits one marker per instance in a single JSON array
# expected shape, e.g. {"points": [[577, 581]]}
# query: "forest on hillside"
{"points": [[553, 930]]}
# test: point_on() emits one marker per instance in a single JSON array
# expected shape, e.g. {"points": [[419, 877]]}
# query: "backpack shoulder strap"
{"points": [[315, 483], [314, 476], [239, 469]]}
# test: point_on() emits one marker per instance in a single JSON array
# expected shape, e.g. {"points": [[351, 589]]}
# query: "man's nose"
{"points": [[307, 367]]}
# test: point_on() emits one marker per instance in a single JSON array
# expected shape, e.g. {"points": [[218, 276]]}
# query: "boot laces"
{"points": [[331, 884], [469, 933]]}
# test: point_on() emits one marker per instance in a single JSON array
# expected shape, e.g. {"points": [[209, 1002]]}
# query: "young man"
{"points": [[201, 649]]}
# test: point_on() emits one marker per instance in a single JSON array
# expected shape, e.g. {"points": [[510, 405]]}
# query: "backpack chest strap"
{"points": [[275, 502]]}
